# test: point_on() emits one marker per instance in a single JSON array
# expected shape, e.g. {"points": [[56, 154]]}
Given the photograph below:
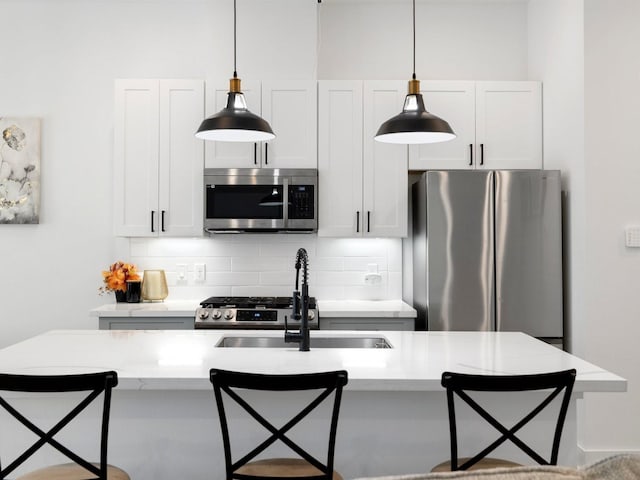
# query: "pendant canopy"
{"points": [[235, 123]]}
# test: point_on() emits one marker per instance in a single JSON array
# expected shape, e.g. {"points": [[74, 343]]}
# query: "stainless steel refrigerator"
{"points": [[487, 251]]}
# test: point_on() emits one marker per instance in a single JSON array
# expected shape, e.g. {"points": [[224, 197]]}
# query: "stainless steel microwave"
{"points": [[260, 200]]}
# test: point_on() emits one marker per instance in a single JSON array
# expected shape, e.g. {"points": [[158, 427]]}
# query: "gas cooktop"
{"points": [[251, 313], [252, 302]]}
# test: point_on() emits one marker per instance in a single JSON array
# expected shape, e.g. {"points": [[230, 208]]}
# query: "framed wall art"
{"points": [[19, 170]]}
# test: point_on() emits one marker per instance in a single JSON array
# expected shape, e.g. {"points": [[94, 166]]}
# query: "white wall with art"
{"points": [[19, 170]]}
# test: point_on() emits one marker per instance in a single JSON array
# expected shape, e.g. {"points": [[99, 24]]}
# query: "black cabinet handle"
{"points": [[162, 221], [358, 221], [255, 153], [368, 221], [482, 154], [266, 154], [470, 154], [152, 220]]}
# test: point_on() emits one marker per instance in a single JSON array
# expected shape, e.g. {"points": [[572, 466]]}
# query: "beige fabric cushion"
{"points": [[619, 467]]}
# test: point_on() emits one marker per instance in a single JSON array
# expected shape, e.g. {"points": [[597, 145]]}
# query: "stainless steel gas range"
{"points": [[251, 313]]}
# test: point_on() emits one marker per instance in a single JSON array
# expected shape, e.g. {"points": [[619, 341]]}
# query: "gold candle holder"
{"points": [[154, 285]]}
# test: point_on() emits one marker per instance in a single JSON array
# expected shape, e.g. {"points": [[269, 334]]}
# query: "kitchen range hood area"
{"points": [[122, 178]]}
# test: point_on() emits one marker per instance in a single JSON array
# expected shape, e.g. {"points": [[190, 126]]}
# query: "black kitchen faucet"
{"points": [[300, 304]]}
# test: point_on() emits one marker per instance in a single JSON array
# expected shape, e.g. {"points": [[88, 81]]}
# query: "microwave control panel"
{"points": [[301, 202]]}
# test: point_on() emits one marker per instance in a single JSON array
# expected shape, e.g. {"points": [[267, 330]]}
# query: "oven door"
{"points": [[244, 199]]}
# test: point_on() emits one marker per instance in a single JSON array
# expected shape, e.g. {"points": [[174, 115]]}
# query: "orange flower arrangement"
{"points": [[116, 277]]}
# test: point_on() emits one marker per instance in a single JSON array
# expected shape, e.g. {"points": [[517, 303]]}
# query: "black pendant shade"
{"points": [[414, 124], [235, 123]]}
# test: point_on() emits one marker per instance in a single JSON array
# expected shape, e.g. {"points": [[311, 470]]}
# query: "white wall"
{"points": [[556, 57], [612, 303], [455, 39]]}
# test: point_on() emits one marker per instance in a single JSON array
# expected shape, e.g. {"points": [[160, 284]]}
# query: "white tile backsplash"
{"points": [[263, 265]]}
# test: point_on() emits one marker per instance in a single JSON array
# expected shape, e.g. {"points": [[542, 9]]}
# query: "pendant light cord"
{"points": [[235, 73], [414, 39]]}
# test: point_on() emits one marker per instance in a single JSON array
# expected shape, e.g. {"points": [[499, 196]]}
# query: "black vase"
{"points": [[121, 296], [133, 291]]}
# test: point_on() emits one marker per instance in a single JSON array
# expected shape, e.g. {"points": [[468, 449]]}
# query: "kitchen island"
{"points": [[393, 418]]}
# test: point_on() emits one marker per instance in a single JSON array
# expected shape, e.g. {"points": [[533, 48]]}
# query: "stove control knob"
{"points": [[203, 314], [228, 314], [311, 315], [216, 314]]}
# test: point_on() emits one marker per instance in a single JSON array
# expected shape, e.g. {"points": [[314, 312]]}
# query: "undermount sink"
{"points": [[316, 342]]}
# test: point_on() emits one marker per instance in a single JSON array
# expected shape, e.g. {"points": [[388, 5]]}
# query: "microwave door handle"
{"points": [[285, 202]]}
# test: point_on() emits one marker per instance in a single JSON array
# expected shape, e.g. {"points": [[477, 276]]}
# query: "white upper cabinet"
{"points": [[362, 183], [157, 160], [290, 107], [498, 126], [339, 158], [509, 124]]}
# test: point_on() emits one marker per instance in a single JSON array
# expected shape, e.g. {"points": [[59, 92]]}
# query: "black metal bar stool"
{"points": [[323, 385], [458, 384], [96, 384]]}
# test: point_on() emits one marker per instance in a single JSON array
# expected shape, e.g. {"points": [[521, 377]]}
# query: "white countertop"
{"points": [[327, 308], [181, 359], [366, 308], [168, 308]]}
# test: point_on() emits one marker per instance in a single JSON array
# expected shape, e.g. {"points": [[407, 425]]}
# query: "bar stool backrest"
{"points": [[458, 384], [231, 383], [94, 384]]}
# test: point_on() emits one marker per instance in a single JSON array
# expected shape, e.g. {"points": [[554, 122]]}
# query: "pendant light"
{"points": [[414, 124], [235, 123]]}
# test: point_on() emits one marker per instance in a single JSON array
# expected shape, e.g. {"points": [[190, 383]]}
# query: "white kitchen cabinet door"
{"points": [[509, 125], [362, 183], [385, 181], [158, 162], [181, 158], [290, 107], [136, 145], [339, 158], [232, 154], [498, 126], [455, 103]]}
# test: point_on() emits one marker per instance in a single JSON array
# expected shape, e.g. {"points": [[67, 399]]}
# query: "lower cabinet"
{"points": [[151, 323], [351, 323]]}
